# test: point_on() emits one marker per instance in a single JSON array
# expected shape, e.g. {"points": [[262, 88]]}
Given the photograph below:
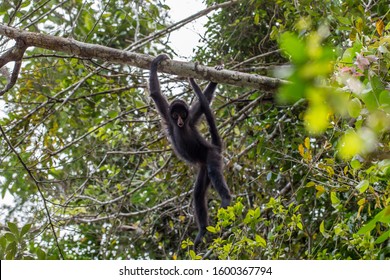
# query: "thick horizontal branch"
{"points": [[183, 69]]}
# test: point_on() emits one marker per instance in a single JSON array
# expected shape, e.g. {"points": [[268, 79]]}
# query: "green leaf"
{"points": [[10, 237], [384, 166], [377, 85], [322, 227], [113, 114], [194, 256], [354, 107], [384, 215], [338, 230], [335, 200], [384, 100], [296, 208], [359, 24], [348, 55], [316, 118], [211, 229], [355, 164], [315, 69], [343, 20], [361, 201], [256, 19], [307, 143], [260, 241], [368, 227], [384, 97], [294, 47], [25, 4], [383, 237], [41, 254], [310, 184], [25, 229], [350, 144], [88, 21], [371, 101], [238, 208], [3, 242], [363, 186], [257, 213], [13, 228], [11, 250], [291, 93]]}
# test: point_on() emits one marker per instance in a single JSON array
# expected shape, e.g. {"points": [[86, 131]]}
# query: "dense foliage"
{"points": [[93, 176]]}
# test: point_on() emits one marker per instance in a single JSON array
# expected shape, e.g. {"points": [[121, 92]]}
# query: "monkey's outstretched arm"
{"points": [[195, 110], [155, 90], [205, 108]]}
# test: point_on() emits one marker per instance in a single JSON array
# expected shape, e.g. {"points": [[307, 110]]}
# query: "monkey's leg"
{"points": [[215, 171], [200, 191]]}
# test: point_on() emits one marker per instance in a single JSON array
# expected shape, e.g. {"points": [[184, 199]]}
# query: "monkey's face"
{"points": [[179, 113], [179, 117]]}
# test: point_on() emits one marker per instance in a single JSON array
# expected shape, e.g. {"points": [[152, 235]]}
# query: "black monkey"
{"points": [[180, 121]]}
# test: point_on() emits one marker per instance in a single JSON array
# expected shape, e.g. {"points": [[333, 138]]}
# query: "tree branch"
{"points": [[179, 24], [14, 54], [29, 172], [184, 69]]}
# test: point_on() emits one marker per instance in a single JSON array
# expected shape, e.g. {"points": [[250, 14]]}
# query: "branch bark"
{"points": [[179, 68], [14, 54]]}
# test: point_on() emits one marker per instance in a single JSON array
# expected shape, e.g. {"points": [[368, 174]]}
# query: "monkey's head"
{"points": [[178, 111]]}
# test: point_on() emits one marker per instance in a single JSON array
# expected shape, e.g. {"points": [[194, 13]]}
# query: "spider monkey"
{"points": [[180, 122]]}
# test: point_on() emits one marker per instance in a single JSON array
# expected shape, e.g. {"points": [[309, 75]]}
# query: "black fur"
{"points": [[180, 122]]}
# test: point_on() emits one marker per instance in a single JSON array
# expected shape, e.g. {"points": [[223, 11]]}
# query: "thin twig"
{"points": [[178, 25], [38, 187]]}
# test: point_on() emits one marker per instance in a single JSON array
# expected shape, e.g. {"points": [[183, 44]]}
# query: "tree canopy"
{"points": [[303, 109]]}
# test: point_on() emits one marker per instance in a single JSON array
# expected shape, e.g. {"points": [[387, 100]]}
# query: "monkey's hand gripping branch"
{"points": [[14, 54]]}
